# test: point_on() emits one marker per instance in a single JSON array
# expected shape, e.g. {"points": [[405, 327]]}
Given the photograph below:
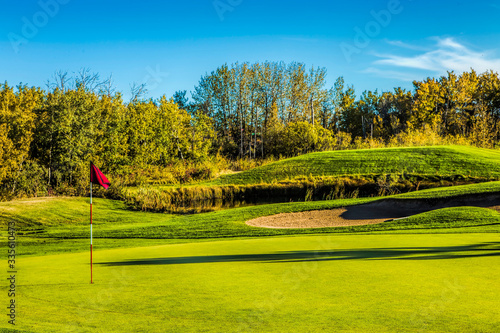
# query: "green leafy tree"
{"points": [[141, 125]]}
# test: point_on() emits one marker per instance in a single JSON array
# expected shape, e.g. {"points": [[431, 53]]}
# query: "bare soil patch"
{"points": [[371, 213]]}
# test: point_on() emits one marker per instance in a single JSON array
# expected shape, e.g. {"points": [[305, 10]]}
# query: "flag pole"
{"points": [[91, 282], [97, 177]]}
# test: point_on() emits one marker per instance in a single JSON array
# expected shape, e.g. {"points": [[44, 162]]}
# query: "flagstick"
{"points": [[91, 282]]}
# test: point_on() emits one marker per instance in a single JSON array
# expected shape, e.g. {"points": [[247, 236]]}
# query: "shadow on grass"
{"points": [[402, 253]]}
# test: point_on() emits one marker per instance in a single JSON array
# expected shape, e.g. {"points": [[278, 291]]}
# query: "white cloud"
{"points": [[406, 45], [451, 44], [402, 76], [446, 55]]}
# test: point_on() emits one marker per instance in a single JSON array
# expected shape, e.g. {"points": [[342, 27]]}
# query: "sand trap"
{"points": [[311, 219], [371, 213]]}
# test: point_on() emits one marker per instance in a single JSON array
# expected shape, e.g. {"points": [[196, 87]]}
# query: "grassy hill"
{"points": [[328, 175], [436, 161]]}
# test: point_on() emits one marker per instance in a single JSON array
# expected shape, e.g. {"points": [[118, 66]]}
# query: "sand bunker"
{"points": [[371, 213]]}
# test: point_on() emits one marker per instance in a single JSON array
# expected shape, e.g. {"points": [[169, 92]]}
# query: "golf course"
{"points": [[232, 166], [421, 261]]}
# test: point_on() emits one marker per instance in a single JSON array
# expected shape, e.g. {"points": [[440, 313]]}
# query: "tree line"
{"points": [[248, 111], [49, 137], [270, 108]]}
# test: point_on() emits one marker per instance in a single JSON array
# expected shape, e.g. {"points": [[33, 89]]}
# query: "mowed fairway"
{"points": [[330, 283]]}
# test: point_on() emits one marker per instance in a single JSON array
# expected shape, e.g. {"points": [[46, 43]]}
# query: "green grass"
{"points": [[432, 272], [335, 174], [437, 162], [341, 283], [452, 191], [62, 224], [63, 211]]}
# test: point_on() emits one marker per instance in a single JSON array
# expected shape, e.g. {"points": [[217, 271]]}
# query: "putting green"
{"points": [[360, 283]]}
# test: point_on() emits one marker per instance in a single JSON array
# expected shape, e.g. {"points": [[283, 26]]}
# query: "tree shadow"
{"points": [[401, 253]]}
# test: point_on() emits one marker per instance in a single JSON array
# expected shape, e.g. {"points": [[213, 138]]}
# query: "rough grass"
{"points": [[424, 162]]}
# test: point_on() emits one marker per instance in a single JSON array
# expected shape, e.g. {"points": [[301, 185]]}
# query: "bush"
{"points": [[302, 137], [30, 181]]}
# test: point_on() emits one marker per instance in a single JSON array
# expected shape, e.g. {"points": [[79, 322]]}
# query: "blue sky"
{"points": [[169, 45]]}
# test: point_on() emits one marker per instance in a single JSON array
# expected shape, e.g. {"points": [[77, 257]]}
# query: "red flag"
{"points": [[97, 177]]}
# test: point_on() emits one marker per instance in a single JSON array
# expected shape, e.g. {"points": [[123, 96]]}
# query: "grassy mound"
{"points": [[456, 217], [437, 161], [328, 176]]}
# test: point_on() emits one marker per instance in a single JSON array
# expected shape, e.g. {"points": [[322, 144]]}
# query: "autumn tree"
{"points": [[17, 127]]}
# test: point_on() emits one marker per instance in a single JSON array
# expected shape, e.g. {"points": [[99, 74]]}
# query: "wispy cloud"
{"points": [[404, 45], [398, 75], [446, 54]]}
